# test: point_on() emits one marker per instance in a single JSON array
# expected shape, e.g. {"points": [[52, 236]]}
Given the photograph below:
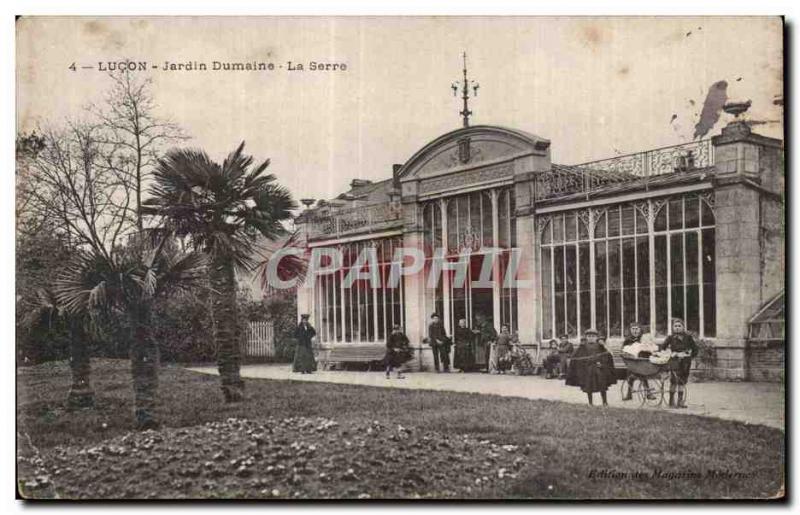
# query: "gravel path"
{"points": [[753, 403]]}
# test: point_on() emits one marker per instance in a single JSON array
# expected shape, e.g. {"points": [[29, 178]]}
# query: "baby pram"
{"points": [[644, 380], [648, 378]]}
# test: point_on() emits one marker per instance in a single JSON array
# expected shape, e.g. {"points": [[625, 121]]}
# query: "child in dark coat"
{"points": [[683, 344], [591, 367]]}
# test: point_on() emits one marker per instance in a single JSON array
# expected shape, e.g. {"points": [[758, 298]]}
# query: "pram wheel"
{"points": [[649, 391]]}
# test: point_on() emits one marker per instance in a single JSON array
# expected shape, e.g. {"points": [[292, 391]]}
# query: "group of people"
{"points": [[589, 367], [479, 349], [397, 349]]}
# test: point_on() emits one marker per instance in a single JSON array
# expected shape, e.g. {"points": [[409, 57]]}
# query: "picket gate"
{"points": [[260, 342]]}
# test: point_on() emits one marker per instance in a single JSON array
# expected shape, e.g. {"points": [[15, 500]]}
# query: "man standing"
{"points": [[565, 349], [303, 353], [440, 343]]}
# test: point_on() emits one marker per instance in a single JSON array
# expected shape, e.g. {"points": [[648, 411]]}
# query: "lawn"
{"points": [[307, 440]]}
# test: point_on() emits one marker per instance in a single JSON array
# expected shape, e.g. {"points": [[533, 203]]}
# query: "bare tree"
{"points": [[79, 182], [132, 128], [28, 147], [86, 179], [66, 184]]}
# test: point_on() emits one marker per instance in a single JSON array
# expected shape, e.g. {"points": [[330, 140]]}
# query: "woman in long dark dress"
{"points": [[304, 361], [397, 352], [484, 337], [464, 357], [591, 367]]}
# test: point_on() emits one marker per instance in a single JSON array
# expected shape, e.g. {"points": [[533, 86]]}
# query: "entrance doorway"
{"points": [[468, 301]]}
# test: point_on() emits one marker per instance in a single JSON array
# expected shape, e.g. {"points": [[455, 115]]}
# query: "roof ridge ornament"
{"points": [[465, 85]]}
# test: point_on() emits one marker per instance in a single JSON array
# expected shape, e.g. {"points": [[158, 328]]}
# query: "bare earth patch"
{"points": [[303, 440], [295, 457]]}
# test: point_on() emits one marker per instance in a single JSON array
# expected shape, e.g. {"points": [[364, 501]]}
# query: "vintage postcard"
{"points": [[438, 258]]}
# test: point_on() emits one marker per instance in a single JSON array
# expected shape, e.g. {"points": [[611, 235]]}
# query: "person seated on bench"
{"points": [[397, 351], [551, 361], [499, 358], [565, 350]]}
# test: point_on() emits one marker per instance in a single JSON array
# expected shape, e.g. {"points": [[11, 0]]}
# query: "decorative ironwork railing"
{"points": [[587, 177], [338, 221]]}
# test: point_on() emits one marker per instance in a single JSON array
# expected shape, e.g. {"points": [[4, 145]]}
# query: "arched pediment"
{"points": [[487, 144]]}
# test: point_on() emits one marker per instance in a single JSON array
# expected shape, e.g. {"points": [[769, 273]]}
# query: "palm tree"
{"points": [[126, 282], [221, 210], [48, 313]]}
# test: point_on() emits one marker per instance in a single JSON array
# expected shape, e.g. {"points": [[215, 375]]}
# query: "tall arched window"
{"points": [[597, 267], [364, 311], [471, 223]]}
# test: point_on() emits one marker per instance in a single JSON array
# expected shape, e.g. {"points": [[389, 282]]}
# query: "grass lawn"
{"points": [[300, 439]]}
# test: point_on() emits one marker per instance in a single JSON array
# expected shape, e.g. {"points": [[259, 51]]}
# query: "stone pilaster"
{"points": [[417, 298], [529, 291], [745, 199], [737, 274]]}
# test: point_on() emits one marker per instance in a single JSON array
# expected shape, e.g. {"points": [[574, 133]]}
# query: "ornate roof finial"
{"points": [[465, 85]]}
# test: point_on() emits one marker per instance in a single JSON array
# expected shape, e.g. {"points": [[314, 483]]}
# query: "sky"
{"points": [[595, 87]]}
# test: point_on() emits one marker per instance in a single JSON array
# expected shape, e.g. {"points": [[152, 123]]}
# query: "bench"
{"points": [[616, 353], [351, 353]]}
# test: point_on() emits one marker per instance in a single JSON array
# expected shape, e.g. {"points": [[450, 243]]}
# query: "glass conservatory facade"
{"points": [[504, 234]]}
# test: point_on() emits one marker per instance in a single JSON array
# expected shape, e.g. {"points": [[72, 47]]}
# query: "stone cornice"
{"points": [[524, 176], [528, 144], [456, 181], [739, 132], [748, 181]]}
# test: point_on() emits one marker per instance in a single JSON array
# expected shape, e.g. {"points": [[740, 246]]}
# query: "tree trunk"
{"points": [[226, 329], [81, 394], [144, 369]]}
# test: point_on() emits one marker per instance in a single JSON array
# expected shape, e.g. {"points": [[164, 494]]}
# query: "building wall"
{"points": [[773, 247], [749, 246], [750, 241], [766, 363], [738, 274]]}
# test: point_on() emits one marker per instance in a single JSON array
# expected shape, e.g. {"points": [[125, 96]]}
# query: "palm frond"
{"points": [[291, 265], [44, 313], [75, 286], [222, 209], [97, 296], [180, 271]]}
